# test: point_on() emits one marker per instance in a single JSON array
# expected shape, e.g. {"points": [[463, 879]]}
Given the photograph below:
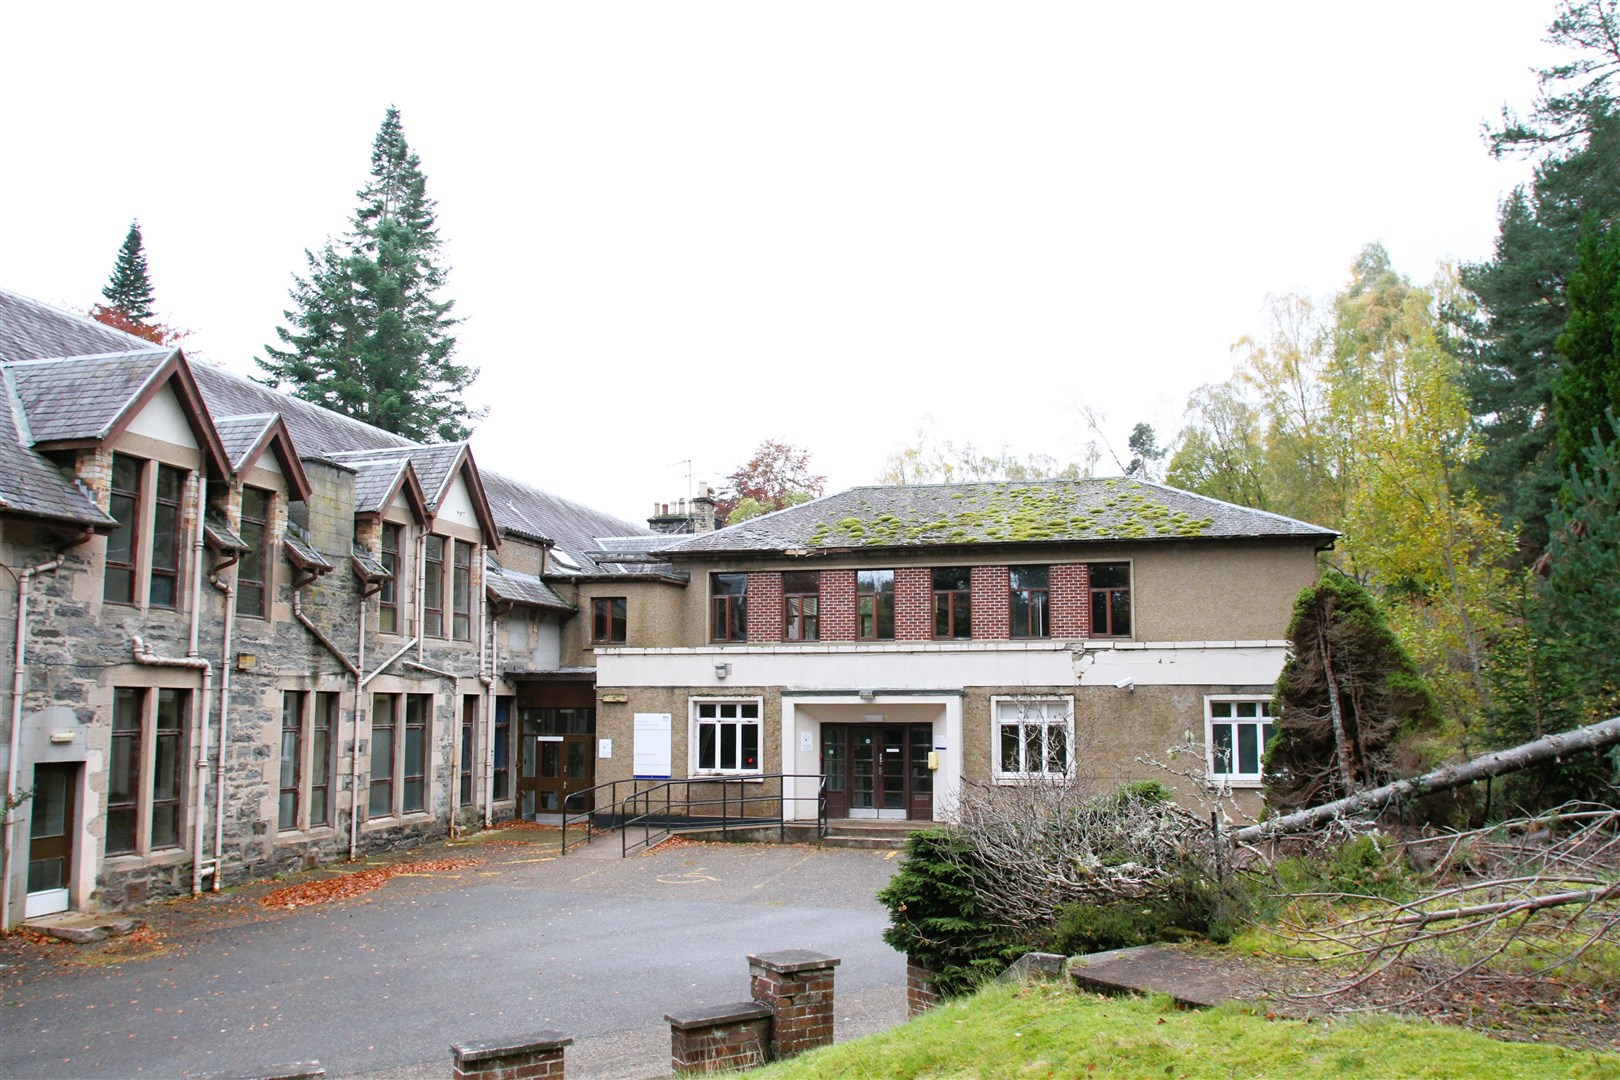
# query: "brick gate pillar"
{"points": [[797, 985]]}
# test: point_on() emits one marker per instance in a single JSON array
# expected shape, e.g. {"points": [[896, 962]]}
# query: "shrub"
{"points": [[1190, 904]]}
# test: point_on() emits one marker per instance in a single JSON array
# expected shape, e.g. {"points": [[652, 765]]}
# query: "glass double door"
{"points": [[556, 761], [878, 770]]}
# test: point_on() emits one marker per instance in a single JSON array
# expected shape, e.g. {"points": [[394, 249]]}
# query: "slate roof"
{"points": [[434, 465], [30, 330], [375, 481], [82, 397], [302, 554], [368, 567], [535, 514], [240, 434], [516, 588], [1051, 511], [218, 533], [31, 484], [317, 432]]}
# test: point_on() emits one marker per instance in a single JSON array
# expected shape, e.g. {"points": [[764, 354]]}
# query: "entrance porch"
{"points": [[885, 755]]}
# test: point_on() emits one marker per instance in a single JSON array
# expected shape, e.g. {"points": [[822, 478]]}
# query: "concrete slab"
{"points": [[81, 928], [1190, 976]]}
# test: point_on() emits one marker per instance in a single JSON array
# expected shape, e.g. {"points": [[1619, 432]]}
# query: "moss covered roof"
{"points": [[1039, 511]]}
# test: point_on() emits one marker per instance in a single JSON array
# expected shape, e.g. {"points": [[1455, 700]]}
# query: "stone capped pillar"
{"points": [[532, 1057], [797, 986]]}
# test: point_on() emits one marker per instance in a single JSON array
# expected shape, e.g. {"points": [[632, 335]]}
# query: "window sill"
{"points": [[1245, 784], [312, 833], [159, 857], [751, 777], [1029, 778]]}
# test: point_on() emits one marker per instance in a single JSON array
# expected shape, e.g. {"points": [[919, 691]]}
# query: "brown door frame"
{"points": [[56, 845], [916, 805]]}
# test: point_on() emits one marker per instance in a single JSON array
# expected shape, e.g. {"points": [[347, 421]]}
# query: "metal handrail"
{"points": [[643, 801], [583, 817]]}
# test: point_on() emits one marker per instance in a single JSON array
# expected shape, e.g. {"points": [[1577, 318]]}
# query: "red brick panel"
{"points": [[729, 1038], [1070, 600], [533, 1057], [913, 603], [797, 986], [922, 992], [764, 607], [838, 621], [992, 599]]}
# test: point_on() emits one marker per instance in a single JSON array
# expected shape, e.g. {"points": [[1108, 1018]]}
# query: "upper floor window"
{"points": [[461, 592], [253, 572], [874, 604], [433, 587], [1110, 599], [728, 607], [953, 602], [118, 584], [1237, 730], [801, 605], [1029, 601], [608, 623], [164, 590], [388, 595]]}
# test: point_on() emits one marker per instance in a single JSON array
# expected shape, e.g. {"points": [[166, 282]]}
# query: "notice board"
{"points": [[650, 755]]}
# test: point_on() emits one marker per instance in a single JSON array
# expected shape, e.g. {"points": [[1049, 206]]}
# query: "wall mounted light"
{"points": [[722, 670], [867, 695]]}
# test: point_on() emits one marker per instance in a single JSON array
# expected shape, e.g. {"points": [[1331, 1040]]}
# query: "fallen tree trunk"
{"points": [[1548, 748]]}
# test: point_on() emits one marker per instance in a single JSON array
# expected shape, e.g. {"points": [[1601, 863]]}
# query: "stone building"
{"points": [[202, 563]]}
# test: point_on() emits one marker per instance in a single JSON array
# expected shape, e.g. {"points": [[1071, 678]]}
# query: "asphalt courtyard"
{"points": [[382, 983]]}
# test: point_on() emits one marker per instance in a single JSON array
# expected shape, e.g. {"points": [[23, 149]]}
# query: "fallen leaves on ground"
{"points": [[358, 883]]}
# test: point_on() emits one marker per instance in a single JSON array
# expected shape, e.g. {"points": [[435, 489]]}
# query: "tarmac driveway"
{"points": [[592, 945]]}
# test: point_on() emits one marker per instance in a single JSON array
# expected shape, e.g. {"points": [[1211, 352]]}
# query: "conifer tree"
{"points": [[129, 289], [368, 336]]}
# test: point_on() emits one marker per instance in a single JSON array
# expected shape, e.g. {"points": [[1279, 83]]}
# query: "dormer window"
{"points": [[433, 587], [118, 585], [388, 596], [253, 572], [166, 539]]}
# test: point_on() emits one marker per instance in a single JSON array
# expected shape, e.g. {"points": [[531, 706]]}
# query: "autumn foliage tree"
{"points": [[776, 476]]}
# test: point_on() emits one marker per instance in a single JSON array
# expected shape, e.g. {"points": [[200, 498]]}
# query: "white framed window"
{"points": [[726, 735], [1236, 730], [1033, 738]]}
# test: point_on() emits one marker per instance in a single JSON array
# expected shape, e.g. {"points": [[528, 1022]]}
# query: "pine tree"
{"points": [[368, 336], [129, 290], [1589, 348]]}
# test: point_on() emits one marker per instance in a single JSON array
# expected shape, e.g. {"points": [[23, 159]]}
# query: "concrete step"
{"points": [[82, 928], [870, 834]]}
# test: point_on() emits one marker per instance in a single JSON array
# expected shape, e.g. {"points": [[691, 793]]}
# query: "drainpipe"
{"points": [[143, 655], [354, 754], [228, 588], [487, 678], [314, 631], [298, 587], [200, 826], [421, 589], [24, 587]]}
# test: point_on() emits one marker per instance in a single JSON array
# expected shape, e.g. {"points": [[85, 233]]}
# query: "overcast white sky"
{"points": [[678, 229]]}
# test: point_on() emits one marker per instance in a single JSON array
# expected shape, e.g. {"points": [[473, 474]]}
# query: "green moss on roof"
{"points": [[1033, 512]]}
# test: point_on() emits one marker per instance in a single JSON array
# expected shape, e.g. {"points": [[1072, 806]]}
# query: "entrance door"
{"points": [[52, 826], [878, 770], [556, 761]]}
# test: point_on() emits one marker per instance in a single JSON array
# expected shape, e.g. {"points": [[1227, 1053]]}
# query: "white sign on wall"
{"points": [[651, 754]]}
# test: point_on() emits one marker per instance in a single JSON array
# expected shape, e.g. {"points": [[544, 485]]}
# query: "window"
{"points": [[953, 602], [399, 753], [728, 607], [501, 781], [727, 736], [308, 739], [144, 780], [118, 583], [1110, 599], [469, 731], [292, 754], [433, 588], [608, 620], [461, 592], [801, 606], [388, 596], [164, 590], [1028, 614], [1237, 732], [874, 604], [1034, 738], [253, 572]]}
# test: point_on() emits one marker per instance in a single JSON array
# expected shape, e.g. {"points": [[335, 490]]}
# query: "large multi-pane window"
{"points": [[400, 730], [144, 778], [728, 607], [388, 595], [501, 781], [1110, 599], [1034, 738], [1028, 613], [322, 758], [164, 590], [309, 724], [953, 602], [726, 735], [608, 620], [469, 731], [801, 605], [461, 592], [433, 587], [874, 604], [1237, 730], [123, 543], [253, 572]]}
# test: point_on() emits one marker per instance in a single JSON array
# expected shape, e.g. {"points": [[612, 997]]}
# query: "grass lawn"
{"points": [[1051, 1031]]}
